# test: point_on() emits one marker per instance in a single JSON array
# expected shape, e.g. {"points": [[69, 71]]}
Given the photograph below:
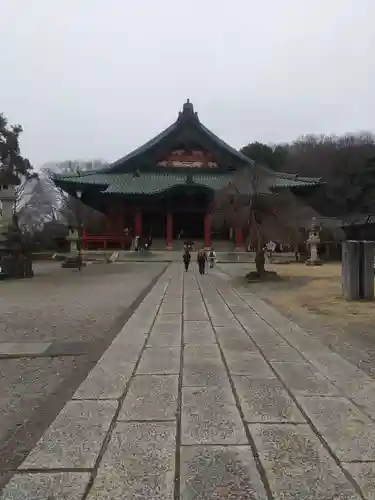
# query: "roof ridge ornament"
{"points": [[187, 111]]}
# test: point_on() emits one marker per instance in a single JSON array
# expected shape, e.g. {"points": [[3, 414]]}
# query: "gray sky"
{"points": [[96, 78]]}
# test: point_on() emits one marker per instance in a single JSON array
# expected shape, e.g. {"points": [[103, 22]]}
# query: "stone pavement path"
{"points": [[209, 394]]}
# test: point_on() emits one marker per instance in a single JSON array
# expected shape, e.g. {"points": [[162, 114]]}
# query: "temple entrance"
{"points": [[190, 224], [154, 222]]}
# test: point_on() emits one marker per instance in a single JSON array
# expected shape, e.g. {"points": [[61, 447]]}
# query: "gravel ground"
{"points": [[63, 305], [354, 341], [79, 314]]}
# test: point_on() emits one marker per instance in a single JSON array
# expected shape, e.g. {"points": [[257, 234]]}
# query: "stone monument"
{"points": [[313, 242]]}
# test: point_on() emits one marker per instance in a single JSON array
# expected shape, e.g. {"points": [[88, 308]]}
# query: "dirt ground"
{"points": [[318, 290], [311, 296]]}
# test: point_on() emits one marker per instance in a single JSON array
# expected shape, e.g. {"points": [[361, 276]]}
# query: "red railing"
{"points": [[103, 241]]}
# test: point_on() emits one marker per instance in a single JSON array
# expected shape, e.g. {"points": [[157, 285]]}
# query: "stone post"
{"points": [[357, 270]]}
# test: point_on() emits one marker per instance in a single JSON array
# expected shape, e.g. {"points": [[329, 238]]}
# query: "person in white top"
{"points": [[212, 257], [271, 247]]}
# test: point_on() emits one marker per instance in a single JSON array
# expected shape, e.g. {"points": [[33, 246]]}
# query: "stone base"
{"points": [[72, 263], [313, 262], [16, 267], [255, 277], [169, 246]]}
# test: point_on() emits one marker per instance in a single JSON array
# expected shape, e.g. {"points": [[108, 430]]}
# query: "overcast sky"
{"points": [[96, 78]]}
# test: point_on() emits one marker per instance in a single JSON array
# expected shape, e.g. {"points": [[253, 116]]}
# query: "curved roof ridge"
{"points": [[143, 147], [187, 115], [227, 146]]}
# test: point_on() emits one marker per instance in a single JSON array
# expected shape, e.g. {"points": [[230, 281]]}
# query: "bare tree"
{"points": [[39, 205], [249, 201], [70, 209]]}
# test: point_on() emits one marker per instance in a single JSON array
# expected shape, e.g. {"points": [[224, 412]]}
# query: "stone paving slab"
{"points": [[348, 377], [23, 348], [303, 378], [151, 397], [230, 405], [160, 360], [174, 307], [167, 325], [174, 319], [210, 373], [109, 377], [208, 352], [349, 432], [195, 312], [364, 474], [139, 463], [266, 400], [198, 332], [282, 353], [247, 363], [235, 339], [46, 486], [105, 381], [297, 466], [220, 472], [170, 339], [210, 416], [74, 440]]}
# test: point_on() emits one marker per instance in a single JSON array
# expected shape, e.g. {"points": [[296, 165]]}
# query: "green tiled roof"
{"points": [[157, 182], [282, 180], [92, 177]]}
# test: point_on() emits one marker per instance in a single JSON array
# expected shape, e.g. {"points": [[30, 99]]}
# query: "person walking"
{"points": [[186, 258], [212, 258], [201, 259]]}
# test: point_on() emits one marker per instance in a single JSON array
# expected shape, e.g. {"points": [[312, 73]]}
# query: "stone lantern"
{"points": [[313, 242], [74, 259], [73, 238]]}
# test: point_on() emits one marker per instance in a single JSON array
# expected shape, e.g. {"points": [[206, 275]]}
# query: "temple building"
{"points": [[166, 187]]}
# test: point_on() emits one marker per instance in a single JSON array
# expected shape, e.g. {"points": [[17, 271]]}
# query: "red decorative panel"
{"points": [[190, 159]]}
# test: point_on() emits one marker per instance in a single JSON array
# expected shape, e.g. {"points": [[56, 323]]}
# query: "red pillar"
{"points": [[238, 237], [138, 223], [169, 231], [207, 230]]}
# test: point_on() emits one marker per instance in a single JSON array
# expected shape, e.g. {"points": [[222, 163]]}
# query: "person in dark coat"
{"points": [[202, 259], [186, 258]]}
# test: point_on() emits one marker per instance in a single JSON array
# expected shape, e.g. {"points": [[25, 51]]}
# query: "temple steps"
{"points": [[101, 256]]}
